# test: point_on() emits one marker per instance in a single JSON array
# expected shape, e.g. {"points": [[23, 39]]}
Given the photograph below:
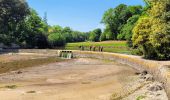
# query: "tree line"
{"points": [[145, 28], [21, 25]]}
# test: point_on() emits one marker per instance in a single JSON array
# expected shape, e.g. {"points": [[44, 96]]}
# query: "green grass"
{"points": [[140, 97], [109, 46], [11, 86]]}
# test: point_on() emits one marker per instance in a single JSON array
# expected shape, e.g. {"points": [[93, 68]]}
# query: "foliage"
{"points": [[152, 31], [126, 31], [107, 34], [23, 26], [95, 35], [116, 18], [55, 29], [33, 31], [12, 12], [103, 36], [56, 39]]}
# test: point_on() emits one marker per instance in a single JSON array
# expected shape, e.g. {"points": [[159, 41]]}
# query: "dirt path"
{"points": [[77, 79]]}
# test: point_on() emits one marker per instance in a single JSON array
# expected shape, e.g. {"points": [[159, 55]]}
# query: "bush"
{"points": [[41, 41], [152, 31], [137, 51]]}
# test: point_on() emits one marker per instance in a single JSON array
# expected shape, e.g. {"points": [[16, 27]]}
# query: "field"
{"points": [[109, 46]]}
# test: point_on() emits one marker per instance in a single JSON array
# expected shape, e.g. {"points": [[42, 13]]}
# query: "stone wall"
{"points": [[160, 70]]}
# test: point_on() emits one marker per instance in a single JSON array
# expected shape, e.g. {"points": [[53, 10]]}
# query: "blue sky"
{"points": [[82, 15]]}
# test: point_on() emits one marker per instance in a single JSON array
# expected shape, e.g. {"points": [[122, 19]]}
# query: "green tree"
{"points": [[46, 26], [78, 36], [116, 18], [103, 37], [12, 13], [55, 29], [66, 32], [107, 34], [126, 31], [33, 31], [152, 31], [56, 40], [95, 35]]}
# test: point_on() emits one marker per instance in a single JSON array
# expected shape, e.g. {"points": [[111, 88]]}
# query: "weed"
{"points": [[31, 91], [140, 97], [15, 65], [11, 86]]}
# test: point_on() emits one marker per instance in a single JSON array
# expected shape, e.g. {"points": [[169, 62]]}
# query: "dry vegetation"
{"points": [[11, 62]]}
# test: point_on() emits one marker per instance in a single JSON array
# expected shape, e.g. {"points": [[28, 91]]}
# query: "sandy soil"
{"points": [[10, 57], [76, 79]]}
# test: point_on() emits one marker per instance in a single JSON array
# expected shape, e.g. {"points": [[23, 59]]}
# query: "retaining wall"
{"points": [[159, 69]]}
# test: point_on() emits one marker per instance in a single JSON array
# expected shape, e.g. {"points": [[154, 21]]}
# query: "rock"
{"points": [[155, 87], [144, 73], [137, 73], [19, 72], [147, 77]]}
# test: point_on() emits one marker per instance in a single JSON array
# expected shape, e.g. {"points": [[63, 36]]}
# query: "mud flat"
{"points": [[76, 79]]}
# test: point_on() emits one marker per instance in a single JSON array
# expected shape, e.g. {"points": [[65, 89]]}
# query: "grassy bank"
{"points": [[109, 46], [19, 64]]}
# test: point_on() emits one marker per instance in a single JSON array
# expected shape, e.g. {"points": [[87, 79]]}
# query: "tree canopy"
{"points": [[115, 18], [144, 27], [12, 13], [152, 31]]}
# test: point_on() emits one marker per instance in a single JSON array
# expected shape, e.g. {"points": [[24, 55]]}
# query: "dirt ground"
{"points": [[76, 79], [10, 57]]}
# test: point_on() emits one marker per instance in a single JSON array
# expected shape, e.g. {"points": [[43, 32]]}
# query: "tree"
{"points": [[78, 36], [33, 31], [41, 41], [56, 40], [126, 31], [12, 12], [55, 29], [107, 34], [103, 37], [66, 32], [116, 18], [95, 35], [45, 23], [152, 31]]}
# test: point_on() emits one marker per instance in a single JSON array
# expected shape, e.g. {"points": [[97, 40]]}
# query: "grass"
{"points": [[109, 46], [11, 86], [31, 91], [140, 97], [19, 64]]}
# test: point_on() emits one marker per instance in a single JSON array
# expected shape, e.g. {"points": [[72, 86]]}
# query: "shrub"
{"points": [[152, 32]]}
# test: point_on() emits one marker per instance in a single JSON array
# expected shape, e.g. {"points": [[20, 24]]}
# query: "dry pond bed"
{"points": [[75, 79]]}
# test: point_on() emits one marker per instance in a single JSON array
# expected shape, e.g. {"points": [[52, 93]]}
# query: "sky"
{"points": [[81, 15]]}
